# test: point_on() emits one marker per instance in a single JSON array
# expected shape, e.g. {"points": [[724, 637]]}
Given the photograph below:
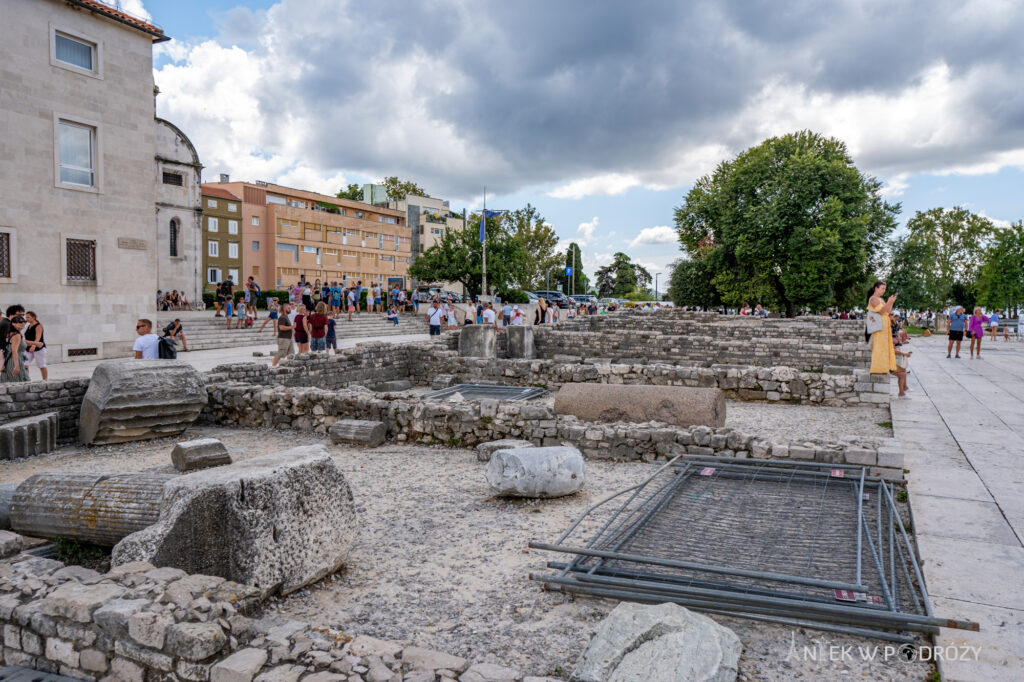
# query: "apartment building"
{"points": [[428, 218], [77, 182], [222, 237], [292, 235]]}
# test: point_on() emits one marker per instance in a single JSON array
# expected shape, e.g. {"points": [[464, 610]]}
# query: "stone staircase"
{"points": [[204, 331]]}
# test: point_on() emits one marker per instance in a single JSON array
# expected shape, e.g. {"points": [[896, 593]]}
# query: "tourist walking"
{"points": [[272, 313], [35, 343], [351, 302], [13, 345], [307, 297], [453, 316], [316, 327], [283, 326], [487, 316], [878, 329], [957, 323], [993, 324], [435, 315], [147, 346], [331, 340], [300, 334], [976, 330]]}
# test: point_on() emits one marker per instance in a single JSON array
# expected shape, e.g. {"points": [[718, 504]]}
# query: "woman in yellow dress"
{"points": [[883, 355]]}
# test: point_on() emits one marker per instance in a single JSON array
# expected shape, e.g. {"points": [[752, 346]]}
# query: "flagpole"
{"points": [[483, 231]]}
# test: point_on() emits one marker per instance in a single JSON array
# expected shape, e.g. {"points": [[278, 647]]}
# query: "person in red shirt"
{"points": [[316, 327]]}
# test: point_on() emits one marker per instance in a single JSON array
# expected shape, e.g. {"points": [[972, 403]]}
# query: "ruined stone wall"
{"points": [[467, 424], [138, 623], [19, 400], [838, 386]]}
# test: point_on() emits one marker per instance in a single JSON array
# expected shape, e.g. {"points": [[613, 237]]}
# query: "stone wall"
{"points": [[837, 386], [138, 623], [467, 424], [19, 400]]}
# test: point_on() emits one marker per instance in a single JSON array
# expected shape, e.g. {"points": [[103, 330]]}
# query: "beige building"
{"points": [[77, 187], [291, 234], [428, 218]]}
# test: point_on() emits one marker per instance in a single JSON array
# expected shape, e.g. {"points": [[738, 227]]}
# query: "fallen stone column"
{"points": [[97, 508], [140, 399], [29, 436], [358, 432], [536, 472], [677, 405]]}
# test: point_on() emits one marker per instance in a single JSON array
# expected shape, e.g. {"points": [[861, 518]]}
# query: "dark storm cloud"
{"points": [[563, 90]]}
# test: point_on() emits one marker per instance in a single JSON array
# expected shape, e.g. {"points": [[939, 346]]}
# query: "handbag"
{"points": [[872, 322], [901, 361]]}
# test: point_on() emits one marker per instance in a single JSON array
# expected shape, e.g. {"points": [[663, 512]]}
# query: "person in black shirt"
{"points": [[5, 325], [175, 331]]}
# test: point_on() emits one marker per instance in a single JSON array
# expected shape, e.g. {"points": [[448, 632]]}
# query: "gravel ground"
{"points": [[814, 422], [440, 563]]}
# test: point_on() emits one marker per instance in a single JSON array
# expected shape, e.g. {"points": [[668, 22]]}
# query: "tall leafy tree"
{"points": [[690, 284], [1001, 281], [952, 244], [528, 227], [578, 283], [620, 277], [353, 192], [458, 257], [907, 267], [792, 218], [398, 189]]}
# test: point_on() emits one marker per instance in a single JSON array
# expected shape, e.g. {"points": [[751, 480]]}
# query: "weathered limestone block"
{"points": [[393, 386], [10, 543], [97, 508], [253, 522], [662, 642], [6, 495], [478, 341], [358, 432], [29, 436], [536, 472], [520, 342], [140, 399], [201, 453], [485, 450], [678, 405]]}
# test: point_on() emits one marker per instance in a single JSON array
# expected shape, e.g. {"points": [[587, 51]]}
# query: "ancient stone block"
{"points": [[663, 642], [679, 405], [485, 450], [417, 658], [392, 386], [520, 342], [358, 432], [240, 666], [536, 472], [29, 436], [478, 341], [201, 453], [132, 399], [251, 522], [10, 543], [195, 641], [98, 508], [77, 602]]}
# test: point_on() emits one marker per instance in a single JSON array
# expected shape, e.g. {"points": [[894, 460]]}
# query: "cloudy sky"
{"points": [[602, 114]]}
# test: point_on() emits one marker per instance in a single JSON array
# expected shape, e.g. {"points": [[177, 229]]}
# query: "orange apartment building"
{"points": [[290, 234]]}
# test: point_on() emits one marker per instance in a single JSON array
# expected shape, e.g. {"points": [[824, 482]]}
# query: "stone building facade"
{"points": [[178, 212], [77, 186]]}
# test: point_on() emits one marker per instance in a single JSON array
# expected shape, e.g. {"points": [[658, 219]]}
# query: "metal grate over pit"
{"points": [[487, 391], [15, 673], [818, 545]]}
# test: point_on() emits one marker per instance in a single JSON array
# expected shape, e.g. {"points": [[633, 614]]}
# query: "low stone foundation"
{"points": [[468, 424], [139, 623]]}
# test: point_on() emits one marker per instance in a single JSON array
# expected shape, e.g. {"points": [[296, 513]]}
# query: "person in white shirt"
{"points": [[517, 315], [435, 315], [488, 315], [147, 346]]}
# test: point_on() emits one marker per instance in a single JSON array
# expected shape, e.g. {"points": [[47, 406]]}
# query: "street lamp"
{"points": [[656, 297]]}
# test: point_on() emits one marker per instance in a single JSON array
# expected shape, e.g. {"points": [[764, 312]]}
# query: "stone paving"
{"points": [[962, 429]]}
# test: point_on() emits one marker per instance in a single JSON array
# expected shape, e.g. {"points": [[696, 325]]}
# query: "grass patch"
{"points": [[901, 495], [76, 552], [914, 331], [885, 425], [933, 676]]}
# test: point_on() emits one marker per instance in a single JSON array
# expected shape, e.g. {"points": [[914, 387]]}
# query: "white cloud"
{"points": [[660, 234], [133, 7], [998, 222], [896, 186], [609, 184], [586, 231]]}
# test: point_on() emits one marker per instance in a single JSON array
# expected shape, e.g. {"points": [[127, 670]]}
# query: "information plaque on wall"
{"points": [[130, 243]]}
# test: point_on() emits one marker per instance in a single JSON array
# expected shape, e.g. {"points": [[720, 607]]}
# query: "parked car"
{"points": [[456, 297], [532, 297], [554, 298], [583, 299]]}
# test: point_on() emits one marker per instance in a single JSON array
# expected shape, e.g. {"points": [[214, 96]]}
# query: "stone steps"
{"points": [[211, 332]]}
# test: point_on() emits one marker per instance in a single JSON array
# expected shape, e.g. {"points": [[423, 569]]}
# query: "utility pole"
{"points": [[656, 286], [573, 250]]}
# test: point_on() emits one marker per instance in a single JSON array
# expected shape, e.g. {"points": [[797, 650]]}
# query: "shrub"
{"points": [[514, 296]]}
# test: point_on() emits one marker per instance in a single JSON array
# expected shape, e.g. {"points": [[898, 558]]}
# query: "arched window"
{"points": [[174, 237]]}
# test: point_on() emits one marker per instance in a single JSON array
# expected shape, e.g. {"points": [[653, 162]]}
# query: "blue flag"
{"points": [[483, 222]]}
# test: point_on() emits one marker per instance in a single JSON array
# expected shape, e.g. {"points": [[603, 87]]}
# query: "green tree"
{"points": [[398, 189], [527, 226], [1001, 280], [619, 277], [458, 257], [690, 284], [604, 281], [353, 193], [578, 283], [952, 243], [791, 219], [906, 275]]}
